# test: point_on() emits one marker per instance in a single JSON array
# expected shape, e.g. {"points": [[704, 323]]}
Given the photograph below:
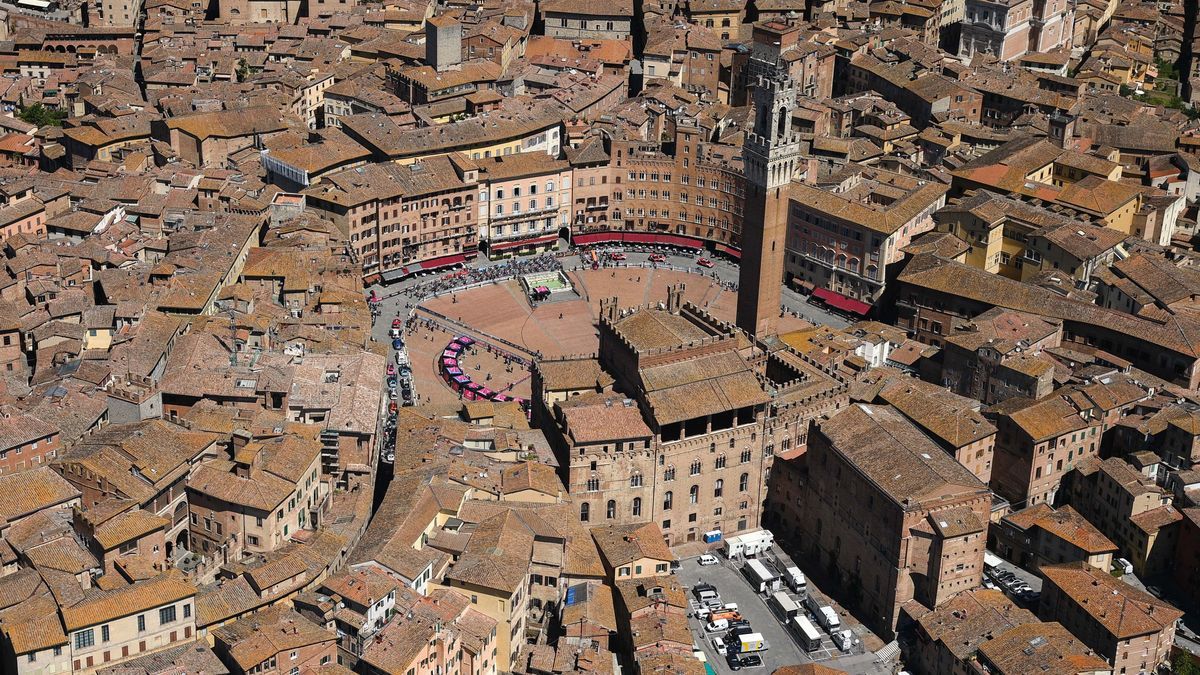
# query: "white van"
{"points": [[795, 580], [829, 619], [716, 626]]}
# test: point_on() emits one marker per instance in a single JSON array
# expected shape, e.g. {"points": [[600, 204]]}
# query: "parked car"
{"points": [[616, 256], [716, 626], [1123, 565], [732, 660], [751, 661], [739, 627], [657, 258], [394, 333], [397, 344], [718, 646], [708, 559], [704, 262], [397, 322]]}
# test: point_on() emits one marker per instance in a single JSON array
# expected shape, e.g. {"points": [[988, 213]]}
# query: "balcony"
{"points": [[522, 215]]}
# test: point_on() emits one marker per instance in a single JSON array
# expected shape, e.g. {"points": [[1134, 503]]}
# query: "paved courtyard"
{"points": [[499, 313]]}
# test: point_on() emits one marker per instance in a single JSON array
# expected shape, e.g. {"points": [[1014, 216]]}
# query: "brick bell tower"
{"points": [[771, 156]]}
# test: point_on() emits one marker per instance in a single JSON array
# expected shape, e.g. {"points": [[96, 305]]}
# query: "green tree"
{"points": [[1183, 665], [42, 116], [243, 70]]}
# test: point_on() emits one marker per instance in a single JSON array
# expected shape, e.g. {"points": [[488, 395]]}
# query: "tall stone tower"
{"points": [[771, 154], [443, 43]]}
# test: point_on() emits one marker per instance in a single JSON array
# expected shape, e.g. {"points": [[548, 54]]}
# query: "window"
{"points": [[593, 484], [669, 474], [84, 639], [141, 622], [104, 633], [166, 615], [745, 456], [584, 512], [668, 500], [719, 487], [187, 610], [637, 506], [611, 509], [695, 469], [635, 480], [720, 463], [744, 482], [694, 494]]}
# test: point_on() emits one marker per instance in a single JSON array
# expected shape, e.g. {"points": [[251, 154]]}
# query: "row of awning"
{"points": [[423, 265], [649, 238], [518, 243], [839, 301]]}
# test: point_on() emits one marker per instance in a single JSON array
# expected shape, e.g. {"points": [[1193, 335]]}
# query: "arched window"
{"points": [[783, 122], [669, 473], [695, 468], [718, 487], [584, 512], [720, 462], [635, 480], [611, 510], [668, 500], [637, 506], [694, 494], [744, 482]]}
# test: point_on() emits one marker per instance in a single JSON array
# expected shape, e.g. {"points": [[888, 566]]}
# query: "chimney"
{"points": [[238, 440]]}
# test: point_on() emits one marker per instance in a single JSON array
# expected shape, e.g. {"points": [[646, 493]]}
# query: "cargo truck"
{"points": [[750, 643]]}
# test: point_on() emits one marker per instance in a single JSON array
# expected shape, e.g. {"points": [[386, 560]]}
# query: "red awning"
{"points": [[591, 238], [536, 241], [444, 261], [839, 301], [676, 240], [729, 250]]}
